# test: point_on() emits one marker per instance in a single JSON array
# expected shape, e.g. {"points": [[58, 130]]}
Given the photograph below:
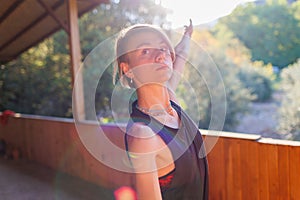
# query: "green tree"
{"points": [[194, 92], [255, 76], [39, 81], [289, 110], [271, 31], [296, 10], [258, 78], [106, 20], [233, 48]]}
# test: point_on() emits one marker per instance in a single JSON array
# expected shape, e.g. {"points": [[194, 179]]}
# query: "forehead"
{"points": [[147, 38]]}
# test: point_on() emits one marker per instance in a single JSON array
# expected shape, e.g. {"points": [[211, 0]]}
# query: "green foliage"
{"points": [[37, 83], [257, 80], [271, 31], [253, 75], [232, 47], [198, 98], [106, 20], [296, 9], [195, 92], [289, 111], [238, 96]]}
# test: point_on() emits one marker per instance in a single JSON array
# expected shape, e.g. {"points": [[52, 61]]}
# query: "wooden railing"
{"points": [[241, 166]]}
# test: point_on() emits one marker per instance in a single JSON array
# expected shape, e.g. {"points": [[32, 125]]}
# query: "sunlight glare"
{"points": [[200, 11]]}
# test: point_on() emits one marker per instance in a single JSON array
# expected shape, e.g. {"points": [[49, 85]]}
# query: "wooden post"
{"points": [[75, 53]]}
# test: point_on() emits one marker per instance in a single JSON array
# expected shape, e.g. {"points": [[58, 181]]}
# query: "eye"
{"points": [[145, 51], [165, 49]]}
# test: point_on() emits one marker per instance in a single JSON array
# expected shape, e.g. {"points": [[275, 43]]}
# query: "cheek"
{"points": [[142, 71], [169, 61], [149, 74]]}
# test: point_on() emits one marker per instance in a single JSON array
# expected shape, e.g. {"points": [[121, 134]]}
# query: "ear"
{"points": [[125, 68]]}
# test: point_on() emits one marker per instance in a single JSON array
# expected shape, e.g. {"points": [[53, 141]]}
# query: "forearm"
{"points": [[182, 51], [148, 187], [183, 47]]}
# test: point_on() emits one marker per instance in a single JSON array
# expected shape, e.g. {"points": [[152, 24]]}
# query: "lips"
{"points": [[162, 67]]}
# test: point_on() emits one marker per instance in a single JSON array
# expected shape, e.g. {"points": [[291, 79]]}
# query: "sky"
{"points": [[200, 11]]}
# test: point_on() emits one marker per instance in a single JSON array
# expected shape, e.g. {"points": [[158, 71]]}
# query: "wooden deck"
{"points": [[27, 180]]}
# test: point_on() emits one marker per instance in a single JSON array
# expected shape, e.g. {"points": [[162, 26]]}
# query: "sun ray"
{"points": [[201, 11]]}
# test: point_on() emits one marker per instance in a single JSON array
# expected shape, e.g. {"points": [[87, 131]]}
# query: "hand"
{"points": [[188, 30]]}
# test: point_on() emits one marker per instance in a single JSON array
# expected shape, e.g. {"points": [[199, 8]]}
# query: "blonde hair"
{"points": [[121, 49]]}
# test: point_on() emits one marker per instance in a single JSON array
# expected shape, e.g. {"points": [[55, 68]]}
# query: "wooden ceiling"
{"points": [[25, 23]]}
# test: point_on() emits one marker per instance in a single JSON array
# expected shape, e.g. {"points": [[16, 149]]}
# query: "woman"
{"points": [[165, 147]]}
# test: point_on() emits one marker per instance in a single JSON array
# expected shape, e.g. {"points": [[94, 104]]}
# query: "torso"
{"points": [[181, 152], [164, 159], [169, 120]]}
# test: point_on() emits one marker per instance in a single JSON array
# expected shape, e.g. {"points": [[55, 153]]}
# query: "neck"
{"points": [[153, 96]]}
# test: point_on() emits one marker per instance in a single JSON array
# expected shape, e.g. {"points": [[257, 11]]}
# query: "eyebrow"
{"points": [[143, 44], [148, 44]]}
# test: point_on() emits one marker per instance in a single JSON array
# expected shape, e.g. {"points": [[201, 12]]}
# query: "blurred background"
{"points": [[254, 44]]}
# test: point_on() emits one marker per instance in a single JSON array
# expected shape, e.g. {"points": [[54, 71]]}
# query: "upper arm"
{"points": [[142, 146]]}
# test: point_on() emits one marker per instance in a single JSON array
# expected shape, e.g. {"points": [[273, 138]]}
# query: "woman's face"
{"points": [[149, 58]]}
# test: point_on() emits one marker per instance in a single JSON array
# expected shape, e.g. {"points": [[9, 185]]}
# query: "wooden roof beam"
{"points": [[27, 28], [10, 10], [52, 13]]}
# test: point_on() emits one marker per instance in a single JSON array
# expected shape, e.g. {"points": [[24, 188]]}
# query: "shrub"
{"points": [[258, 79], [289, 110], [237, 96]]}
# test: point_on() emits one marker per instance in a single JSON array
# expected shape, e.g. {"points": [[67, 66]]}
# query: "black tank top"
{"points": [[189, 179]]}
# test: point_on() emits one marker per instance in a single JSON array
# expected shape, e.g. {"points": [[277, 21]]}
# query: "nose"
{"points": [[161, 55]]}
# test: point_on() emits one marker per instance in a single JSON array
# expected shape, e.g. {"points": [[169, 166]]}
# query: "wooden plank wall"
{"points": [[240, 167], [56, 144], [254, 169]]}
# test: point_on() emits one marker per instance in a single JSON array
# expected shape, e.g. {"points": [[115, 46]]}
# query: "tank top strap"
{"points": [[136, 116]]}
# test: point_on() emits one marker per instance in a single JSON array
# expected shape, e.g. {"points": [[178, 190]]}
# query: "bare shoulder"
{"points": [[140, 130], [141, 139]]}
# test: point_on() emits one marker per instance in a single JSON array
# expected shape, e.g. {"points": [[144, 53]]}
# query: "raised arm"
{"points": [[181, 51]]}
